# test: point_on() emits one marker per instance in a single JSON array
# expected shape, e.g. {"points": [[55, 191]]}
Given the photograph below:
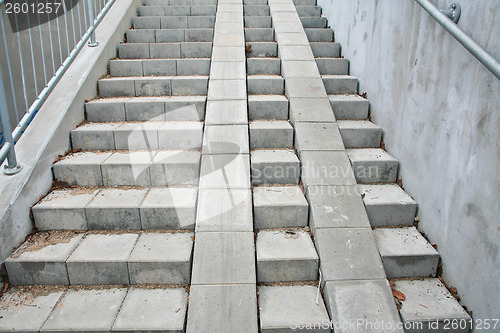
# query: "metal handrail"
{"points": [[486, 58], [7, 151]]}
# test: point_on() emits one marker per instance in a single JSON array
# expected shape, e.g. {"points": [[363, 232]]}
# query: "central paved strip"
{"points": [[223, 286], [354, 281]]}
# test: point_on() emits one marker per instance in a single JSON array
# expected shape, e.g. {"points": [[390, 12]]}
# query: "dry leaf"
{"points": [[399, 295]]}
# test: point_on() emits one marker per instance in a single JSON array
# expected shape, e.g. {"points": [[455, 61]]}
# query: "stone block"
{"points": [[360, 133], [275, 167], [310, 110], [340, 84], [317, 137], [227, 139], [232, 112], [349, 106], [271, 134], [373, 165], [175, 167], [267, 107], [265, 84], [131, 168], [326, 168], [180, 135], [83, 169], [228, 171]]}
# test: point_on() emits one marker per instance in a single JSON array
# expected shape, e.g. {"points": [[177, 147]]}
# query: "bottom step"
{"points": [[96, 309]]}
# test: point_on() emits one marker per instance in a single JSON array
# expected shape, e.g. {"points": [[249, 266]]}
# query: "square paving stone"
{"points": [[91, 310], [233, 112], [224, 210], [336, 207], [286, 256], [227, 90], [275, 167], [221, 258], [429, 302], [225, 171], [222, 309], [311, 110], [115, 209], [362, 306], [169, 208], [161, 258], [63, 209], [348, 254], [26, 309], [228, 70], [43, 261], [227, 139], [317, 136], [305, 87], [152, 310], [288, 308], [279, 206], [101, 259], [326, 168]]}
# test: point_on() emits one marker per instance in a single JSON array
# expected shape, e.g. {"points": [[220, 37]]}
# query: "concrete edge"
{"points": [[48, 135]]}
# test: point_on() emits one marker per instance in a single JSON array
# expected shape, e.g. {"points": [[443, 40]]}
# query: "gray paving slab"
{"points": [[224, 258], [115, 209], [158, 310], [304, 88], [279, 206], [82, 169], [101, 259], [295, 52], [336, 207], [224, 309], [228, 53], [42, 261], [373, 165], [326, 168], [228, 70], [286, 256], [169, 208], [63, 209], [310, 110], [288, 308], [232, 112], [271, 134], [388, 205], [26, 309], [227, 139], [362, 306], [317, 137], [161, 258], [406, 253], [348, 254], [225, 171], [227, 90], [302, 68], [83, 310], [275, 167], [224, 210], [430, 304], [175, 167]]}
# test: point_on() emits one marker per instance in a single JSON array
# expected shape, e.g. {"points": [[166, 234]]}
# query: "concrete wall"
{"points": [[48, 134], [440, 110]]}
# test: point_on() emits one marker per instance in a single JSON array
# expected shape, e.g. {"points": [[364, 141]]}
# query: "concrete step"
{"points": [[333, 66], [319, 34], [287, 255], [117, 209], [64, 258], [258, 22], [93, 309], [172, 167], [165, 50], [314, 22], [306, 11], [173, 108], [259, 34], [340, 84], [271, 134], [170, 35], [317, 137], [138, 135], [263, 66], [178, 2], [267, 107], [177, 10], [431, 306], [265, 85], [279, 207], [388, 205], [262, 49], [352, 107], [360, 133], [173, 22], [255, 2], [160, 67], [153, 86], [327, 50], [274, 167], [373, 165], [282, 307], [406, 253], [304, 2], [256, 10]]}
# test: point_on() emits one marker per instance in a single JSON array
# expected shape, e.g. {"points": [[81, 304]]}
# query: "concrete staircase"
{"points": [[227, 179]]}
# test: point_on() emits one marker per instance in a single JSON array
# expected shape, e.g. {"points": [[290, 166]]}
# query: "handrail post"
{"points": [[92, 40], [12, 167]]}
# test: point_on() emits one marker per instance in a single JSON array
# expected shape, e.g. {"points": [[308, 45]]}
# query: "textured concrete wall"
{"points": [[440, 110]]}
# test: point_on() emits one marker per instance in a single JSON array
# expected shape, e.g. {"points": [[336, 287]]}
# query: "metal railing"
{"points": [[39, 43], [448, 19]]}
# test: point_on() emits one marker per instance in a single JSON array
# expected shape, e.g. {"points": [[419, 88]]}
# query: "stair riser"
{"points": [[277, 137], [271, 85], [319, 35], [263, 66], [375, 172], [314, 22], [263, 49], [304, 11], [135, 87], [179, 22], [287, 270], [165, 50], [333, 66], [259, 10], [258, 22], [361, 138], [160, 67], [340, 85]]}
